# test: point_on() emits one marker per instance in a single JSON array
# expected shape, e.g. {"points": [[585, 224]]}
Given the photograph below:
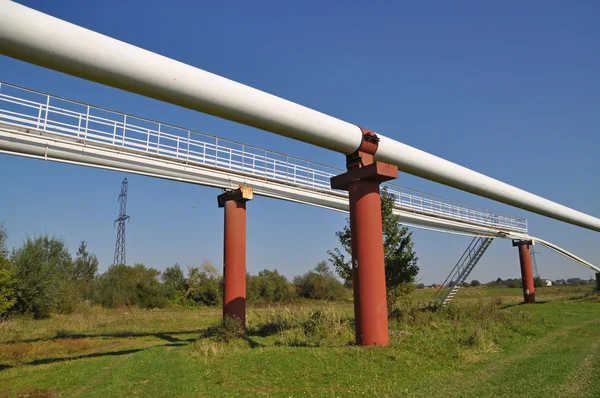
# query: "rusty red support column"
{"points": [[362, 182], [598, 281], [526, 270], [234, 252]]}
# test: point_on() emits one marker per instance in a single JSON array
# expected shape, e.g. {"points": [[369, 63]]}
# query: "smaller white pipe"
{"points": [[565, 253]]}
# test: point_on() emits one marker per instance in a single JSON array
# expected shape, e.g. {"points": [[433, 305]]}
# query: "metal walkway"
{"points": [[39, 125]]}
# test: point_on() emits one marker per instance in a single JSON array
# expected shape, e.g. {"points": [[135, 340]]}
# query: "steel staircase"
{"points": [[461, 270]]}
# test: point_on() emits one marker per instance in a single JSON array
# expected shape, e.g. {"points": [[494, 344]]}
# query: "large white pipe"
{"points": [[40, 39]]}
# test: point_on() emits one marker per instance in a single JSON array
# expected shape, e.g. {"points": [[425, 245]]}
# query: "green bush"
{"points": [[204, 285], [68, 299], [229, 329], [399, 290], [320, 284], [123, 286], [269, 286], [310, 328], [8, 281]]}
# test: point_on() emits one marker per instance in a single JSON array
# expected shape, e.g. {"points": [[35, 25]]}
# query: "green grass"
{"points": [[514, 295], [483, 345]]}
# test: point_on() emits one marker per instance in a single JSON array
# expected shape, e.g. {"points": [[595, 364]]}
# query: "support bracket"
{"points": [[244, 193]]}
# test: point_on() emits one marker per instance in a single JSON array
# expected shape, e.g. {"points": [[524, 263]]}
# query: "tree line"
{"points": [[41, 277], [518, 283], [539, 282]]}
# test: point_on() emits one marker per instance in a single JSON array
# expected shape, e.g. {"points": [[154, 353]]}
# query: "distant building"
{"points": [[548, 282]]}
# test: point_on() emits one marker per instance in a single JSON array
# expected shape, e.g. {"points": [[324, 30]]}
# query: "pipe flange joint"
{"points": [[369, 142]]}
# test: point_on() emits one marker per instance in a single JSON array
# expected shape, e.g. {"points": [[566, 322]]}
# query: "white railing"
{"points": [[92, 125]]}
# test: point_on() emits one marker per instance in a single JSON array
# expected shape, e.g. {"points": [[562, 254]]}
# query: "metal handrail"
{"points": [[31, 109]]}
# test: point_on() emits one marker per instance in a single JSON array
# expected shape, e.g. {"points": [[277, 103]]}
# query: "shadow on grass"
{"points": [[172, 342], [47, 361], [505, 306], [578, 298], [268, 329], [252, 343], [171, 339], [65, 335], [272, 328]]}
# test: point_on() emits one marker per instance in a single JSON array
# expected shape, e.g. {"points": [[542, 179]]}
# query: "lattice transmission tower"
{"points": [[534, 266], [120, 245]]}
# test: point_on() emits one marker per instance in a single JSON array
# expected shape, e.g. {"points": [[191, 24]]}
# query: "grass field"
{"points": [[485, 344]]}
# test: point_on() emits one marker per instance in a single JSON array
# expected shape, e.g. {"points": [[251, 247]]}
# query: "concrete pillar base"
{"points": [[234, 252]]}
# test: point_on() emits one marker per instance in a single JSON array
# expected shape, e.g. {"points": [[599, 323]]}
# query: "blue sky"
{"points": [[510, 89]]}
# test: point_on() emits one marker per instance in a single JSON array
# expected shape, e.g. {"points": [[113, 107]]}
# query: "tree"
{"points": [[3, 238], [400, 259], [44, 270], [7, 276], [85, 268], [475, 283], [204, 285], [8, 282], [174, 282], [86, 264]]}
